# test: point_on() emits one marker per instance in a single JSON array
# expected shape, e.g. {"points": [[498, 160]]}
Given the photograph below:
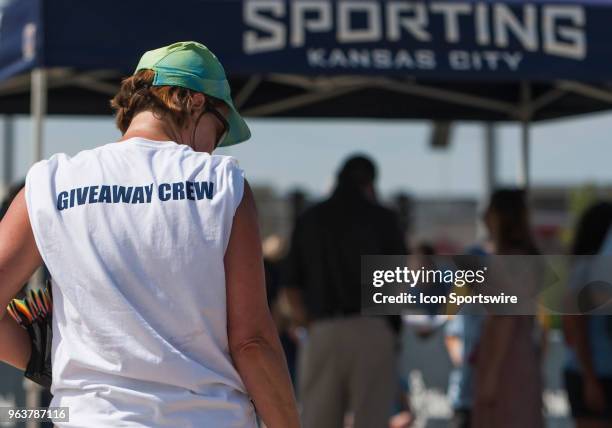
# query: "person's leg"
{"points": [[461, 419], [583, 416], [320, 379], [372, 383]]}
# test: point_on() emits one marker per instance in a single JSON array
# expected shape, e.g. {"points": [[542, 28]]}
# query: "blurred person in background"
{"points": [[588, 369], [11, 193], [462, 334], [423, 255], [508, 377], [274, 257], [348, 361], [160, 316], [403, 416], [273, 249]]}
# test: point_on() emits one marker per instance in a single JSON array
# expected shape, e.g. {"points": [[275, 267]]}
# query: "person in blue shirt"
{"points": [[462, 335]]}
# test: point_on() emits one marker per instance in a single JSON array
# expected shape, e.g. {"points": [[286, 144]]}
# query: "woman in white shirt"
{"points": [[160, 316]]}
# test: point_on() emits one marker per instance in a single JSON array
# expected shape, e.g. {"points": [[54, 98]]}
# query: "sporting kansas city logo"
{"points": [[470, 35]]}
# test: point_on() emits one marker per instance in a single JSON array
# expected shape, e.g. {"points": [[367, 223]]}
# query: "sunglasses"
{"points": [[210, 108]]}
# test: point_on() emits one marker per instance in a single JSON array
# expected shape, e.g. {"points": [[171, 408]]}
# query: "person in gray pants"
{"points": [[347, 364]]}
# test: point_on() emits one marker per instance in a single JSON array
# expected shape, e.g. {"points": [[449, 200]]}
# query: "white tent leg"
{"points": [[32, 400], [38, 109]]}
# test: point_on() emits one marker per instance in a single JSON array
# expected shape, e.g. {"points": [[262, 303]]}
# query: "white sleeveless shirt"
{"points": [[134, 234]]}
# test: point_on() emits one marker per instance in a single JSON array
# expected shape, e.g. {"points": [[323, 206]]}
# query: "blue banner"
{"points": [[448, 40], [20, 37]]}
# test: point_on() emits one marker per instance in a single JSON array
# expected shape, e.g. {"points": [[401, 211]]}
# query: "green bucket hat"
{"points": [[191, 65]]}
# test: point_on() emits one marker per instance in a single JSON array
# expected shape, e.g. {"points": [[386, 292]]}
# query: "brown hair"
{"points": [[511, 208], [137, 94]]}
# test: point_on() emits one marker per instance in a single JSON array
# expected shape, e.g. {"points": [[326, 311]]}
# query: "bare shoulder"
{"points": [[247, 205]]}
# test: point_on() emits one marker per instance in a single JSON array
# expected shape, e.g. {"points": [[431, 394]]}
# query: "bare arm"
{"points": [[575, 327], [498, 349], [454, 346], [495, 353], [19, 258], [253, 338]]}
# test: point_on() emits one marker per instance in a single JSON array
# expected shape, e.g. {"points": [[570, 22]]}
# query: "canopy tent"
{"points": [[485, 60], [506, 60]]}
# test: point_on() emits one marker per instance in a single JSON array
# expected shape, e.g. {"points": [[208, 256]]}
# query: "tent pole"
{"points": [[524, 162], [9, 149], [490, 157], [38, 110], [490, 174], [524, 179]]}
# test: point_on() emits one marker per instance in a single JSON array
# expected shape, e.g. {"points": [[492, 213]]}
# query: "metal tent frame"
{"points": [[315, 90]]}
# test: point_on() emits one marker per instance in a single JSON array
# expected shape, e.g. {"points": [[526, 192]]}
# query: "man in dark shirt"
{"points": [[348, 361]]}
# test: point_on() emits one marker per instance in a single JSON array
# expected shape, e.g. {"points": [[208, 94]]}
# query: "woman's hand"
{"points": [[402, 419], [15, 345]]}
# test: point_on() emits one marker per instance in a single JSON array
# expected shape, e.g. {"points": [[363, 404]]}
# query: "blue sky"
{"points": [[306, 153]]}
